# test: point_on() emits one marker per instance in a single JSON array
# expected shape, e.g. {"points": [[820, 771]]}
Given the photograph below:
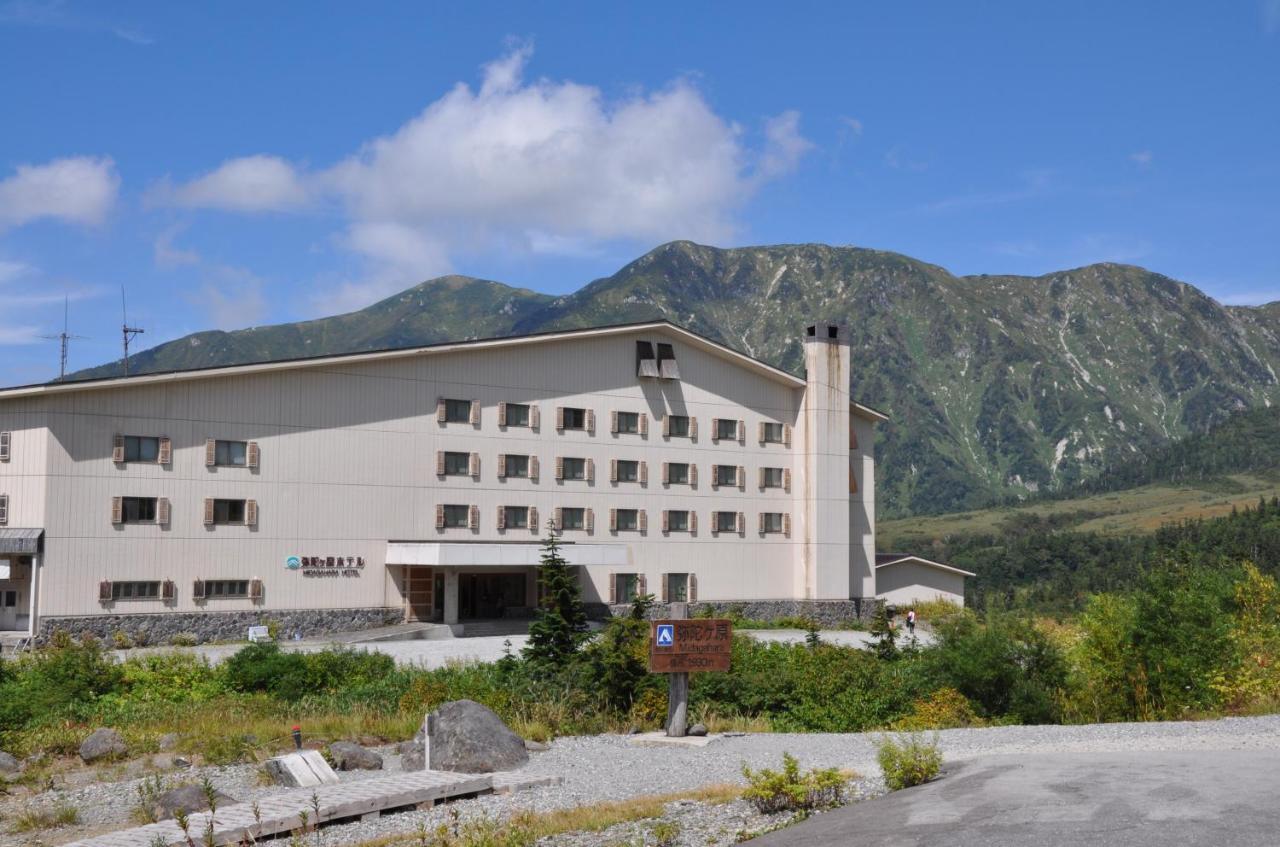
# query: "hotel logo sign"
{"points": [[326, 566]]}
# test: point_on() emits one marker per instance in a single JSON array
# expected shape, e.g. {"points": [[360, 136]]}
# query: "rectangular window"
{"points": [[678, 473], [216, 588], [771, 522], [8, 599], [517, 466], [771, 477], [629, 422], [141, 448], [677, 587], [457, 517], [457, 411], [726, 521], [772, 433], [575, 418], [626, 587], [231, 453], [575, 468], [628, 470], [517, 414], [135, 590], [457, 464], [678, 426], [138, 509], [678, 521], [726, 429], [228, 511], [628, 520], [515, 517], [573, 518], [726, 474]]}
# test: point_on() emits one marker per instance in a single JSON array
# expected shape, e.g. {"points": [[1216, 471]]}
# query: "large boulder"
{"points": [[8, 764], [102, 744], [349, 756], [466, 737], [188, 798]]}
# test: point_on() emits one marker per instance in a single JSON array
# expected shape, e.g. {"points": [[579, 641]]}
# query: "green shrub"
{"points": [[65, 679], [912, 761], [294, 676], [789, 790], [616, 663]]}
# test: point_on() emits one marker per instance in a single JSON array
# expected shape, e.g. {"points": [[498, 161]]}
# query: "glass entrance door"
{"points": [[488, 595]]}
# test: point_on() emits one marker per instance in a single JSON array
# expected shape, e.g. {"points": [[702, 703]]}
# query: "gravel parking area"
{"points": [[605, 768]]}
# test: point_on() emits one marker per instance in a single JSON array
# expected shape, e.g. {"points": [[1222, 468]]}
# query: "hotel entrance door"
{"points": [[488, 595]]}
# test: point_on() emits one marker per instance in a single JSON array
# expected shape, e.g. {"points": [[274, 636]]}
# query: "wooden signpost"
{"points": [[678, 647]]}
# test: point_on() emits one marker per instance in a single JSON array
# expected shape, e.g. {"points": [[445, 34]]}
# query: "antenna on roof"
{"points": [[64, 338], [127, 331]]}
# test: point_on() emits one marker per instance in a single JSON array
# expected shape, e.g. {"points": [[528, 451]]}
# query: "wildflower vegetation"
{"points": [[908, 761], [789, 790]]}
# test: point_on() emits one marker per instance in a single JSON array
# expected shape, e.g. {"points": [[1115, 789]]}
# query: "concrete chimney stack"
{"points": [[824, 422]]}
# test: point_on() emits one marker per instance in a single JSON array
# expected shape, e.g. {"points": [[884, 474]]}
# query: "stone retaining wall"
{"points": [[828, 613], [200, 627]]}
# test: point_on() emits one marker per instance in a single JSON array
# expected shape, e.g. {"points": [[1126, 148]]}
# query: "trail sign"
{"points": [[690, 646]]}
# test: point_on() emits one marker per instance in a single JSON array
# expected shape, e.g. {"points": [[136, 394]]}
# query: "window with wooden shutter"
{"points": [[644, 473], [613, 588], [502, 517], [786, 524], [250, 512], [117, 450], [165, 454], [502, 414], [253, 455], [474, 465], [613, 470], [591, 470], [613, 422], [168, 591], [502, 466], [642, 519], [742, 523], [475, 412], [473, 517], [666, 425], [197, 589], [535, 416], [255, 589], [715, 476], [590, 520], [559, 418], [4, 509], [761, 522], [642, 586], [533, 468], [742, 478], [693, 523], [693, 475], [439, 463], [666, 473], [666, 520], [441, 413], [117, 510], [786, 434], [6, 438], [613, 520], [533, 518], [665, 582], [559, 467], [693, 588], [557, 519], [439, 516], [210, 452], [644, 424], [164, 512], [742, 432], [104, 591], [715, 432], [786, 479], [761, 427], [693, 428]]}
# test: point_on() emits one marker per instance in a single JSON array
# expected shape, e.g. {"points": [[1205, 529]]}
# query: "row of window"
{"points": [[522, 466], [110, 591], [158, 450], [449, 410], [581, 518], [157, 510], [672, 587]]}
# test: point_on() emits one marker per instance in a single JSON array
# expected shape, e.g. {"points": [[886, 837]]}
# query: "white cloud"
{"points": [[10, 271], [852, 126], [249, 184], [76, 190], [54, 14], [232, 298], [12, 336], [167, 254], [521, 166], [1142, 158]]}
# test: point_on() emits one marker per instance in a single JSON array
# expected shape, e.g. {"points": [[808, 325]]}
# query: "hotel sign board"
{"points": [[690, 646]]}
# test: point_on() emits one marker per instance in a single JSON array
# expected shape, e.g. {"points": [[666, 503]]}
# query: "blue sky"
{"points": [[235, 164]]}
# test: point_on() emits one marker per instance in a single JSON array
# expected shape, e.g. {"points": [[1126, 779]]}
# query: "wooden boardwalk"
{"points": [[282, 813]]}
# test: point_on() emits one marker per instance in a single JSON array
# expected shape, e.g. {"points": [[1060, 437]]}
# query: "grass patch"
{"points": [[35, 820], [789, 790], [911, 761]]}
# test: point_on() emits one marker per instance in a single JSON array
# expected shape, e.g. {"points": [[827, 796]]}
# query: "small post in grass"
{"points": [[297, 737]]}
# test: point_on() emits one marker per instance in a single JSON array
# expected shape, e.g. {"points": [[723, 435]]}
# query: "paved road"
{"points": [[1132, 799]]}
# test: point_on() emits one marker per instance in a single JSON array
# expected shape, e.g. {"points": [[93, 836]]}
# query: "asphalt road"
{"points": [[1045, 800]]}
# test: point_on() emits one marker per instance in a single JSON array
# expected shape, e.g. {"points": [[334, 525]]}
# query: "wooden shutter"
{"points": [[4, 509], [253, 456], [642, 585], [613, 470], [644, 473], [440, 410], [559, 418], [761, 522], [761, 427], [197, 589], [439, 516], [742, 523], [473, 465], [502, 414], [502, 517], [117, 449], [715, 431], [642, 519], [613, 520], [666, 424], [786, 479], [591, 470], [559, 467], [591, 520], [786, 524], [163, 511], [786, 434], [742, 432], [693, 428], [693, 523], [104, 591], [557, 519], [693, 588], [473, 517], [763, 473], [168, 591], [208, 511], [666, 473], [742, 478], [5, 440], [613, 422], [255, 589], [693, 475], [210, 452], [591, 421], [715, 522], [666, 520], [644, 424], [475, 412], [165, 455], [117, 510], [715, 476], [613, 588], [666, 587], [250, 512], [533, 468], [439, 463], [533, 518], [502, 466], [535, 416]]}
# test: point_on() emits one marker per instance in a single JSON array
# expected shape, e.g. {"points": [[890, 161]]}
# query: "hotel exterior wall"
{"points": [[348, 463]]}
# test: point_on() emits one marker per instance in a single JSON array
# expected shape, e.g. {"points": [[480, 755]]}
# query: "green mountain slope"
{"points": [[995, 384]]}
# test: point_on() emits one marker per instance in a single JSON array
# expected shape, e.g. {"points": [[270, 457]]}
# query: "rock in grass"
{"points": [[698, 729], [413, 757], [9, 764], [102, 744], [188, 798], [467, 737], [349, 756], [167, 741], [536, 746]]}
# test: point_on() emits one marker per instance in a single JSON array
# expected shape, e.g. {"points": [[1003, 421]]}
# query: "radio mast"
{"points": [[64, 339], [128, 332]]}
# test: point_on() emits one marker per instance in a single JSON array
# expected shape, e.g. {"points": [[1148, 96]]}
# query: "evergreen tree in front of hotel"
{"points": [[560, 626], [882, 635]]}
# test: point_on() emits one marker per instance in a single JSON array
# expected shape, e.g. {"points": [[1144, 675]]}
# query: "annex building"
{"points": [[348, 491]]}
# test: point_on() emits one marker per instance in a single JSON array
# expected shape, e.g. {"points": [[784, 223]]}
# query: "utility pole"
{"points": [[127, 331], [64, 338]]}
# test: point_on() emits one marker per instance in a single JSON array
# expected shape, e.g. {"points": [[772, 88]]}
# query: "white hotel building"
{"points": [[357, 490]]}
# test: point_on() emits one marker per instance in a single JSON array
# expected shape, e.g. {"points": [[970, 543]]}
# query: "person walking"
{"points": [[911, 622]]}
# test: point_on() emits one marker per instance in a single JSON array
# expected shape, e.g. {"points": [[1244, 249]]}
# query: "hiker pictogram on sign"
{"points": [[666, 635]]}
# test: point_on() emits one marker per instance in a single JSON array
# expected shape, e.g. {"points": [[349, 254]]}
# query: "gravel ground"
{"points": [[605, 768]]}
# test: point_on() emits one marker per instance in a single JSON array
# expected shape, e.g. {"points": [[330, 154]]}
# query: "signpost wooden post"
{"points": [[678, 647]]}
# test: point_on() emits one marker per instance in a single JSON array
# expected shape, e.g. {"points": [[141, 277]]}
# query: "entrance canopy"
{"points": [[445, 554], [22, 542]]}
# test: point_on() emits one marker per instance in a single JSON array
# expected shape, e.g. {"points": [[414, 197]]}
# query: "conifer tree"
{"points": [[882, 633], [560, 625]]}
